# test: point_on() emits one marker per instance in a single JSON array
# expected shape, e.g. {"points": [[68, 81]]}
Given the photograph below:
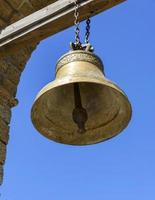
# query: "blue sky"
{"points": [[121, 168]]}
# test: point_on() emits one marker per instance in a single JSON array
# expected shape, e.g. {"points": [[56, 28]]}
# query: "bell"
{"points": [[81, 106]]}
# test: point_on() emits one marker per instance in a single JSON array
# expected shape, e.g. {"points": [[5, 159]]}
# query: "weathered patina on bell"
{"points": [[81, 106]]}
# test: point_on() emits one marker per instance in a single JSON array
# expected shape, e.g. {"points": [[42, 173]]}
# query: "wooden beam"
{"points": [[48, 21]]}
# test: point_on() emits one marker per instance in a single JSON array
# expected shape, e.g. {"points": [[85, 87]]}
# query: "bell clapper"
{"points": [[79, 114]]}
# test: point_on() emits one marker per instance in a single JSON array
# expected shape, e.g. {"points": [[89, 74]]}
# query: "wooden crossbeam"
{"points": [[48, 21]]}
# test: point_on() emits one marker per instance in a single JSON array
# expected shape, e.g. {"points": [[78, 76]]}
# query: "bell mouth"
{"points": [[109, 111]]}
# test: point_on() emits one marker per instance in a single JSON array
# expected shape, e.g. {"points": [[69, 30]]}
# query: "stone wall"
{"points": [[12, 65]]}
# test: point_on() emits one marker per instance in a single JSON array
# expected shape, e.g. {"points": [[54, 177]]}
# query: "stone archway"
{"points": [[12, 65], [13, 59]]}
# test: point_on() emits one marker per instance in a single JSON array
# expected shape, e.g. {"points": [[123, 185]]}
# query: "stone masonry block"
{"points": [[1, 174], [2, 24], [6, 98], [26, 8], [9, 86], [4, 132], [5, 113], [3, 66], [38, 4], [2, 153], [5, 10], [15, 3], [13, 74], [15, 17], [19, 59]]}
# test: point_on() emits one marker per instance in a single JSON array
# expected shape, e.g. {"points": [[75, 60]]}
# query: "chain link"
{"points": [[87, 34], [78, 43], [77, 23]]}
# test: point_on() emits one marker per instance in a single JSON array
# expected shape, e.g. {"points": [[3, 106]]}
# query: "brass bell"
{"points": [[81, 106]]}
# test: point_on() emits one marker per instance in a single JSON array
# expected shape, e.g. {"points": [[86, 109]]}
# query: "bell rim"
{"points": [[105, 82]]}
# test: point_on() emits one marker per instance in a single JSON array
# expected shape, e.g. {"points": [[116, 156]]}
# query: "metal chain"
{"points": [[87, 34], [78, 45], [77, 23]]}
